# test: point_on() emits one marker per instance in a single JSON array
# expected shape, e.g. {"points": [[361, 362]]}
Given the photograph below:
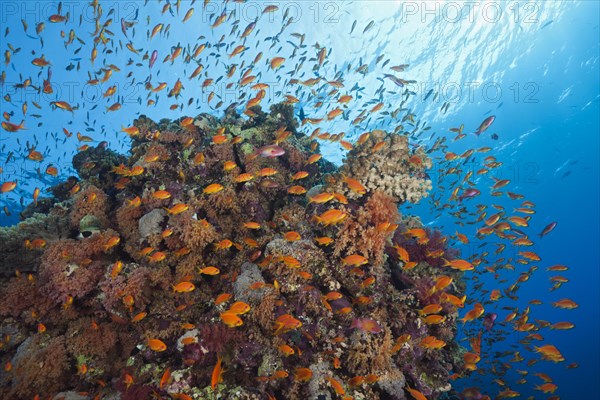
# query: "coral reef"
{"points": [[231, 240]]}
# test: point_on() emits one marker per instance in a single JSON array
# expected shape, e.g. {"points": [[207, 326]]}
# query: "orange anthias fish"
{"points": [[217, 374], [286, 350], [138, 317], [177, 209], [165, 379], [431, 309], [8, 187], [354, 260], [223, 244], [565, 303], [285, 323], [460, 265], [321, 198], [550, 352], [209, 270], [238, 308], [416, 394], [366, 325], [157, 345], [161, 194], [222, 298], [303, 374], [475, 313], [292, 236], [231, 320], [184, 287], [10, 127], [213, 188], [431, 342], [337, 386], [355, 186], [547, 387], [331, 217], [157, 257]]}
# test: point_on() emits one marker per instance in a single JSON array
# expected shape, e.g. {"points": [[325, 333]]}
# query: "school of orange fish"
{"points": [[221, 211]]}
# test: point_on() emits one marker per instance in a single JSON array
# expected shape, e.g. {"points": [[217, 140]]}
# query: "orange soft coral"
{"points": [[362, 233]]}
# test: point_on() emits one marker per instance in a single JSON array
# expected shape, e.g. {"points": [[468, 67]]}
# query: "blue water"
{"points": [[534, 65]]}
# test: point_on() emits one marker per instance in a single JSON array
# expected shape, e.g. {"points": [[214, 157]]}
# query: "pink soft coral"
{"points": [[72, 267]]}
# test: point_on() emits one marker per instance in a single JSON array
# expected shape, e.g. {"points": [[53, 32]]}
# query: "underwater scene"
{"points": [[312, 200]]}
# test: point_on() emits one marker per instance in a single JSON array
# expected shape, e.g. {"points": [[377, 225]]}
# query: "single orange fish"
{"points": [[161, 194], [238, 308], [567, 304], [231, 320], [337, 386], [139, 317], [213, 188], [292, 236], [222, 298], [177, 209], [355, 186], [217, 374], [354, 260], [296, 189], [165, 379], [157, 345], [321, 198], [157, 257], [223, 244], [184, 287], [8, 187], [286, 350], [303, 374], [209, 271]]}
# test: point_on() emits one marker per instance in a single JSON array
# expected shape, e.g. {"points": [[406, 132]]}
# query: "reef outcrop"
{"points": [[231, 240]]}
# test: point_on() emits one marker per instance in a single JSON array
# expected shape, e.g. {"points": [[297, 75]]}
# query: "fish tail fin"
{"points": [[279, 327]]}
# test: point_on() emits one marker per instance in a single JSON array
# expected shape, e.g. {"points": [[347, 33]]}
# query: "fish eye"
{"points": [[86, 234]]}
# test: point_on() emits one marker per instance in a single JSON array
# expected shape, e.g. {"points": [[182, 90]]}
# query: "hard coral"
{"points": [[384, 162]]}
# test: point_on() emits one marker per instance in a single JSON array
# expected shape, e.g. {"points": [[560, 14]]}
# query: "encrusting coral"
{"points": [[232, 241]]}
